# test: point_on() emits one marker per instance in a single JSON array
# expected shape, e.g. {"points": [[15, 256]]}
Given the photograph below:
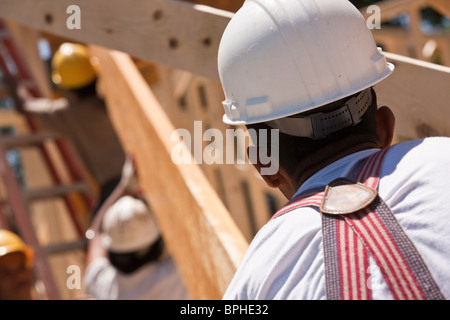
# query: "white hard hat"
{"points": [[128, 226], [280, 58]]}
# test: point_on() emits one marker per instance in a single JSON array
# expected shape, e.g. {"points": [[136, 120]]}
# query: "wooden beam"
{"points": [[180, 34], [442, 6], [228, 5], [417, 92], [205, 242]]}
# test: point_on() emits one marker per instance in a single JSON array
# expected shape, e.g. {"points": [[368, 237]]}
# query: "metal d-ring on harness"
{"points": [[357, 223]]}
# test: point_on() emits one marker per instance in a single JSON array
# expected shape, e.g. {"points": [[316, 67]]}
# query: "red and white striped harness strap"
{"points": [[350, 239]]}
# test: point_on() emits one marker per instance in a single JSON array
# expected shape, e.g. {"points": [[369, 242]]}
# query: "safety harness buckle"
{"points": [[343, 196]]}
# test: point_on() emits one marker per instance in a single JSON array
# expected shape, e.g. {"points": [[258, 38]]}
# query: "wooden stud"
{"points": [[204, 241]]}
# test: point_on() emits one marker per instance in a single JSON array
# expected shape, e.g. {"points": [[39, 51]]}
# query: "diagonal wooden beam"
{"points": [[176, 33], [206, 244], [228, 5], [442, 6]]}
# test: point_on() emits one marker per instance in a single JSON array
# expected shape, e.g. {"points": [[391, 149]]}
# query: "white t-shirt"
{"points": [[155, 281], [285, 259]]}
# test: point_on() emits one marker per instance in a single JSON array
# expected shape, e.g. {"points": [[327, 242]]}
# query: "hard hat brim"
{"points": [[296, 110], [14, 248]]}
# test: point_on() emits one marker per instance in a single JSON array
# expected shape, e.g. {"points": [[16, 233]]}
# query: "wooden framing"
{"points": [[228, 5], [179, 34], [417, 92], [206, 244], [188, 97]]}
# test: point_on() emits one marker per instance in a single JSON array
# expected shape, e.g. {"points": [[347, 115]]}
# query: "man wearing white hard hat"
{"points": [[128, 260], [365, 219]]}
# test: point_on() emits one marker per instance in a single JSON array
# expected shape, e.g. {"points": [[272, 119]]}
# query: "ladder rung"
{"points": [[56, 191], [27, 139], [66, 246]]}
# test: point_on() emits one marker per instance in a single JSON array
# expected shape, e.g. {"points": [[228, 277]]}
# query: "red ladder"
{"points": [[15, 71]]}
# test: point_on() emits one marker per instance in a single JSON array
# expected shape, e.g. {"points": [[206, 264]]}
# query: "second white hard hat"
{"points": [[128, 226], [280, 58]]}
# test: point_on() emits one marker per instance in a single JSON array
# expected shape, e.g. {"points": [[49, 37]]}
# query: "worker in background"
{"points": [[305, 69], [127, 258], [16, 261], [84, 119]]}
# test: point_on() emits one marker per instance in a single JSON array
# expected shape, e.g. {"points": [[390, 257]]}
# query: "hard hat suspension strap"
{"points": [[320, 125]]}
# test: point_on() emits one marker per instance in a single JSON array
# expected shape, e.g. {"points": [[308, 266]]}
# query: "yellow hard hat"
{"points": [[72, 67], [10, 242]]}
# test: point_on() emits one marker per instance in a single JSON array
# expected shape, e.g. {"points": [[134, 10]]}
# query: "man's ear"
{"points": [[385, 126], [273, 180]]}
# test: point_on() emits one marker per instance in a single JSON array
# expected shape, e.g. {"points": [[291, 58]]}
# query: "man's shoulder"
{"points": [[280, 250], [99, 268], [432, 150], [419, 166], [425, 143]]}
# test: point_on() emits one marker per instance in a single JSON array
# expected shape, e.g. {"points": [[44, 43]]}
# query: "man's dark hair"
{"points": [[292, 149], [86, 91], [132, 261]]}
